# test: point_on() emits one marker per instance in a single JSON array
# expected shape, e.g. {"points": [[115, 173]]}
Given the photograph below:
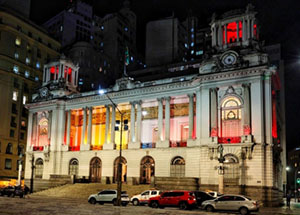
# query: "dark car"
{"points": [[181, 198], [202, 196], [12, 191]]}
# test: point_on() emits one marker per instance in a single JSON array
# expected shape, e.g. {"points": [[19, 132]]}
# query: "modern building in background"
{"points": [[110, 37], [174, 127], [25, 47]]}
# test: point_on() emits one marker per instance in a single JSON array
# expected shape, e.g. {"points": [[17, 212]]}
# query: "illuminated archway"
{"points": [[147, 170], [39, 168], [177, 167], [43, 132], [231, 120], [123, 170], [95, 170]]}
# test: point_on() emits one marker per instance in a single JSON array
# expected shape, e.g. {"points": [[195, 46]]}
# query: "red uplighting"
{"points": [[229, 139], [38, 148], [274, 117], [232, 32], [74, 148]]}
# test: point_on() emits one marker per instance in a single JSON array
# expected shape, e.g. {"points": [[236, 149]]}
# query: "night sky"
{"points": [[279, 22]]}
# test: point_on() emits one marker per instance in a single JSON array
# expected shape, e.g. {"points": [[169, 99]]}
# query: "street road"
{"points": [[43, 205]]}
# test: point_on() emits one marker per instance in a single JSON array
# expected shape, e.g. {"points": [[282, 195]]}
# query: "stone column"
{"points": [[167, 119], [82, 144], [30, 126], [132, 123], [198, 115], [139, 121], [49, 124], [237, 31], [113, 125], [225, 29], [89, 137], [220, 35], [160, 119], [248, 28], [68, 127], [214, 114], [191, 115], [244, 30], [246, 110], [107, 144], [251, 27]]}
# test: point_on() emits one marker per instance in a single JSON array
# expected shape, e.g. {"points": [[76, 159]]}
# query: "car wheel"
{"points": [[12, 195], [154, 204], [135, 202], [183, 205], [115, 201], [209, 208], [93, 201], [124, 204], [244, 211]]}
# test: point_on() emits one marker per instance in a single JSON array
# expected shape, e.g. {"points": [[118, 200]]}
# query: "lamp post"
{"points": [[119, 169], [20, 169], [221, 160], [32, 173]]}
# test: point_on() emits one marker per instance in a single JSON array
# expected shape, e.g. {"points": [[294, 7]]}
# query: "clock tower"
{"points": [[60, 78], [235, 42]]}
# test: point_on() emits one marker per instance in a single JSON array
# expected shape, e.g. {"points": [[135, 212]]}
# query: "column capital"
{"points": [[133, 103], [215, 89], [191, 95], [139, 102], [246, 85], [168, 98], [160, 99]]}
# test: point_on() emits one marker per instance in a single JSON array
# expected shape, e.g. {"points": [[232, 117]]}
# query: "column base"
{"points": [[84, 147], [214, 140], [108, 146], [193, 142], [64, 148], [247, 139], [135, 145], [163, 144]]}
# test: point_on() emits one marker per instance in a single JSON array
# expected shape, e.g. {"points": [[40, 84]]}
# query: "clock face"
{"points": [[229, 59], [44, 92]]}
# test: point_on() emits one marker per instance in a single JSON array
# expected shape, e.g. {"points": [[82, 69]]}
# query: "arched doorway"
{"points": [[39, 168], [95, 170], [123, 168], [147, 170], [177, 167], [73, 167], [231, 170]]}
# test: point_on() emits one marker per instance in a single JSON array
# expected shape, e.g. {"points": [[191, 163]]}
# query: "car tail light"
{"points": [[255, 203], [192, 198]]}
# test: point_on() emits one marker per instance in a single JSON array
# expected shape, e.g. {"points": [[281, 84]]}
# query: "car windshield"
{"points": [[247, 197]]}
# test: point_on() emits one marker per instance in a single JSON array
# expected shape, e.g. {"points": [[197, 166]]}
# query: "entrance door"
{"points": [[123, 170], [147, 170], [95, 170]]}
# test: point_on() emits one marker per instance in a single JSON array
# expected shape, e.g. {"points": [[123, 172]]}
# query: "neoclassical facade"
{"points": [[171, 127]]}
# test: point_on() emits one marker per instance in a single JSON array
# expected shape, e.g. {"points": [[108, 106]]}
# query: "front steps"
{"points": [[54, 181]]}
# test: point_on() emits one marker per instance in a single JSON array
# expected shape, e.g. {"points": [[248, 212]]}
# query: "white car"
{"points": [[240, 203], [108, 196], [142, 199]]}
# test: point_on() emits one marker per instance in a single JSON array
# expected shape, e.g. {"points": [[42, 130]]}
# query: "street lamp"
{"points": [[221, 160], [119, 170]]}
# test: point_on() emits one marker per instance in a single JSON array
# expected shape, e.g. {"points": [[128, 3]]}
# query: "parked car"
{"points": [[214, 193], [232, 203], [108, 196], [202, 196], [12, 191], [182, 199], [142, 199]]}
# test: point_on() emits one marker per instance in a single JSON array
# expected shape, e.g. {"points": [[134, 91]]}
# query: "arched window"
{"points": [[9, 148], [177, 167], [147, 170], [231, 117], [73, 167], [39, 168], [231, 165]]}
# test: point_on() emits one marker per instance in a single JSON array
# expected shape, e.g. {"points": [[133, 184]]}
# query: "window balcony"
{"points": [[229, 140], [174, 144], [38, 148], [74, 148], [147, 145]]}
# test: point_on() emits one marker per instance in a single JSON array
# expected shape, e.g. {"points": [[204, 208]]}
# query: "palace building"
{"points": [[172, 127]]}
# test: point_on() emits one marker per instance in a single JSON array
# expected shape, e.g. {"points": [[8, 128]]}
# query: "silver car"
{"points": [[108, 196], [231, 203]]}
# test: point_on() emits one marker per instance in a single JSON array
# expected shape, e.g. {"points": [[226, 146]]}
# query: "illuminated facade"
{"points": [[172, 127], [25, 48]]}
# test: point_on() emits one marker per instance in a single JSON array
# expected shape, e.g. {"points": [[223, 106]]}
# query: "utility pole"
{"points": [[32, 173]]}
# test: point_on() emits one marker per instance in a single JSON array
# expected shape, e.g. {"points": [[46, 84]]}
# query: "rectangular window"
{"points": [[13, 122], [15, 96], [7, 163], [14, 108], [12, 133], [22, 136], [18, 41], [24, 100]]}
